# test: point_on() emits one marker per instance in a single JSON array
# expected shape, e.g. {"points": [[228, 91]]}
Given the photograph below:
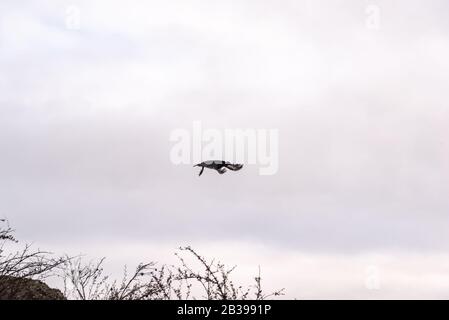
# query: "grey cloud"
{"points": [[85, 119]]}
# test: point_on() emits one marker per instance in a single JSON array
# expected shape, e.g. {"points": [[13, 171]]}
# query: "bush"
{"points": [[149, 281]]}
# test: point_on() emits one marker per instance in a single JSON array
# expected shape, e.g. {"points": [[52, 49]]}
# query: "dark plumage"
{"points": [[219, 165]]}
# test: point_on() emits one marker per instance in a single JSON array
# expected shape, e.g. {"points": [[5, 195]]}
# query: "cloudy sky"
{"points": [[90, 92]]}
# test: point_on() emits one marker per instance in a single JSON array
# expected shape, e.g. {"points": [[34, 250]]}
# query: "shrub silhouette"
{"points": [[82, 280]]}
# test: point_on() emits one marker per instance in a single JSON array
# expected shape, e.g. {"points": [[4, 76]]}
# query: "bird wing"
{"points": [[201, 172], [234, 167]]}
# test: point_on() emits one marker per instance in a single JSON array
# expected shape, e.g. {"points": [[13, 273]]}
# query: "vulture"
{"points": [[219, 165]]}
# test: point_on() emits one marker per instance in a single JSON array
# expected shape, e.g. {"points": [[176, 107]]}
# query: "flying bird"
{"points": [[219, 165]]}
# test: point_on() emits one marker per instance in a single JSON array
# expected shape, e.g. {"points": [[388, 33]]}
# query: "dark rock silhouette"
{"points": [[12, 288]]}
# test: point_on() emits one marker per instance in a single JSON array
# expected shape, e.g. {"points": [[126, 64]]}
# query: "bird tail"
{"points": [[234, 167]]}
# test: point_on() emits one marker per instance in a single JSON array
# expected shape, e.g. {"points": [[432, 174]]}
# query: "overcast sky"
{"points": [[358, 90]]}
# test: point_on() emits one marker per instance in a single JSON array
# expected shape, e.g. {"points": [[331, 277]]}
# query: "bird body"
{"points": [[219, 165]]}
